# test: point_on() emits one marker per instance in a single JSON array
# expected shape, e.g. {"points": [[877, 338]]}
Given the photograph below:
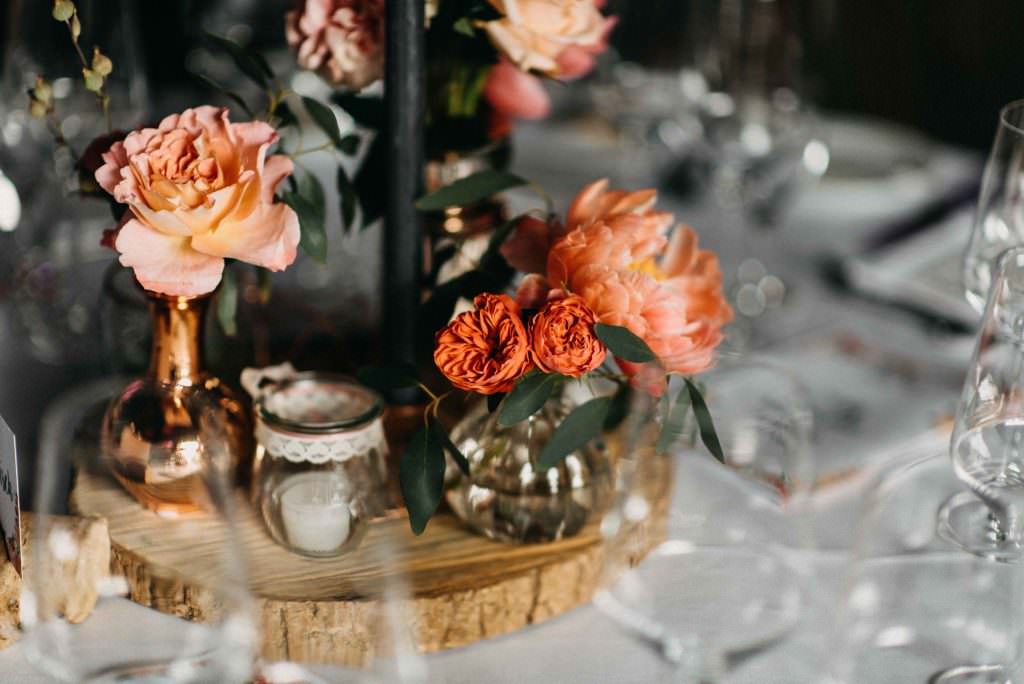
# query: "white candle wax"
{"points": [[315, 511]]}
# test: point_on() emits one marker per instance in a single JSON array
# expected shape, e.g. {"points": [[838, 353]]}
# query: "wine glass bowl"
{"points": [[987, 446]]}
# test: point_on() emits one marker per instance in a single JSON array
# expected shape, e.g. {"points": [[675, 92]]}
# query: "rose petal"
{"points": [[166, 263]]}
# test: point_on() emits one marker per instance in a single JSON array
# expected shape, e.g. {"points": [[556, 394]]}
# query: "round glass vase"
{"points": [[507, 497], [152, 443], [320, 467]]}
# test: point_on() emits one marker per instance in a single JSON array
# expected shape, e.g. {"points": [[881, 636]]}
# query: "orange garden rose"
{"points": [[200, 189], [485, 350], [562, 338]]}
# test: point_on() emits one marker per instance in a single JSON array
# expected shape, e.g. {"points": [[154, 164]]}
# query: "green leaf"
{"points": [[349, 200], [285, 116], [449, 446], [527, 397], [349, 144], [578, 428], [619, 408], [313, 238], [491, 260], [624, 344], [231, 95], [368, 112], [464, 26], [324, 118], [386, 378], [227, 303], [470, 189], [370, 181], [313, 192], [421, 475], [708, 435], [250, 63], [673, 423]]}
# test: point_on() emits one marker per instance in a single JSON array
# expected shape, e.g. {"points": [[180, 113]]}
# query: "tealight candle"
{"points": [[315, 511]]}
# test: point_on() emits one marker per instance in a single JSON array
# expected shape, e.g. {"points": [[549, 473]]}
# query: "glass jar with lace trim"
{"points": [[320, 472]]}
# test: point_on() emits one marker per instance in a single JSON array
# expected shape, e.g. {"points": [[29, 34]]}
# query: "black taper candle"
{"points": [[404, 87]]}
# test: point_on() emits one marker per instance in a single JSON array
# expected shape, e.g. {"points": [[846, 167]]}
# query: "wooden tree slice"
{"points": [[461, 587]]}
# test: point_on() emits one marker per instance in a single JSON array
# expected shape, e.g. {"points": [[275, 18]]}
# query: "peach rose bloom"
{"points": [[562, 338], [485, 350], [342, 40], [199, 189], [534, 34]]}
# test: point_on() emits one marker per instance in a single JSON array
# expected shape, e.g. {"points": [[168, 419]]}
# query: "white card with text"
{"points": [[10, 505]]}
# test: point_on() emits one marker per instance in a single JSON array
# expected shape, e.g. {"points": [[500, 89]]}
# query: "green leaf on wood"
{"points": [[708, 434], [527, 397], [470, 189], [624, 344], [674, 421], [421, 475], [449, 446], [324, 118], [578, 428], [313, 236], [387, 378], [250, 63], [227, 303], [349, 200]]}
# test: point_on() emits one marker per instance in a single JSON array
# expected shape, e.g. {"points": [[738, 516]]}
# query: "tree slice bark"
{"points": [[72, 584]]}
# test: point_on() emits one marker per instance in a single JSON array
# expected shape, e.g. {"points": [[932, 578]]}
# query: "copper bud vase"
{"points": [[166, 431]]}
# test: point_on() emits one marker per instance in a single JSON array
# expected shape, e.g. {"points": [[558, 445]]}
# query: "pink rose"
{"points": [[533, 34], [342, 40], [515, 93], [200, 189]]}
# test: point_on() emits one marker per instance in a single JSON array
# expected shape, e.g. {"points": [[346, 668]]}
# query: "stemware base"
{"points": [[971, 674], [965, 521]]}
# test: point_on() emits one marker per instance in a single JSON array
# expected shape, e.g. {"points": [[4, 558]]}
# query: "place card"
{"points": [[10, 504]]}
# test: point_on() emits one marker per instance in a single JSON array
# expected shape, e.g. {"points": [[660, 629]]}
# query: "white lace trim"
{"points": [[338, 446]]}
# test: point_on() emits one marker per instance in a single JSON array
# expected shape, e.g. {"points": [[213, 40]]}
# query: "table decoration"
{"points": [[320, 466], [188, 195], [606, 284]]}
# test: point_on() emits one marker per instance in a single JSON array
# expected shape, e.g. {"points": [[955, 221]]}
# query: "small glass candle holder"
{"points": [[320, 468]]}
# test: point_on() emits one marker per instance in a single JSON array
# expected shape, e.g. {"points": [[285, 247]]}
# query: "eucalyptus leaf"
{"points": [[368, 112], [227, 303], [449, 446], [313, 236], [708, 434], [470, 189], [421, 475], [313, 192], [324, 118], [527, 397], [387, 378], [578, 428], [624, 344], [349, 200], [231, 95], [674, 421], [250, 63]]}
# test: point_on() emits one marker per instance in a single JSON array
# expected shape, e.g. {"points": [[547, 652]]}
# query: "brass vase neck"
{"points": [[177, 337]]}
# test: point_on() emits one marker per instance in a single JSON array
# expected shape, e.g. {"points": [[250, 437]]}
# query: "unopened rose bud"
{"points": [[93, 81], [76, 26], [37, 109], [63, 9], [42, 91], [101, 64]]}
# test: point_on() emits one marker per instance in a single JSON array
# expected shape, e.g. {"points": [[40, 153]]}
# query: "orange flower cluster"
{"points": [[488, 349]]}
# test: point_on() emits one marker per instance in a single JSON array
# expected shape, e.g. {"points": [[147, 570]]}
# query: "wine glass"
{"points": [[719, 584], [917, 608], [999, 216], [119, 641], [987, 446]]}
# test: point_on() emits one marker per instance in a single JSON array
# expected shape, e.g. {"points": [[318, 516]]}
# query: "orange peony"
{"points": [[562, 338], [616, 260], [485, 350]]}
